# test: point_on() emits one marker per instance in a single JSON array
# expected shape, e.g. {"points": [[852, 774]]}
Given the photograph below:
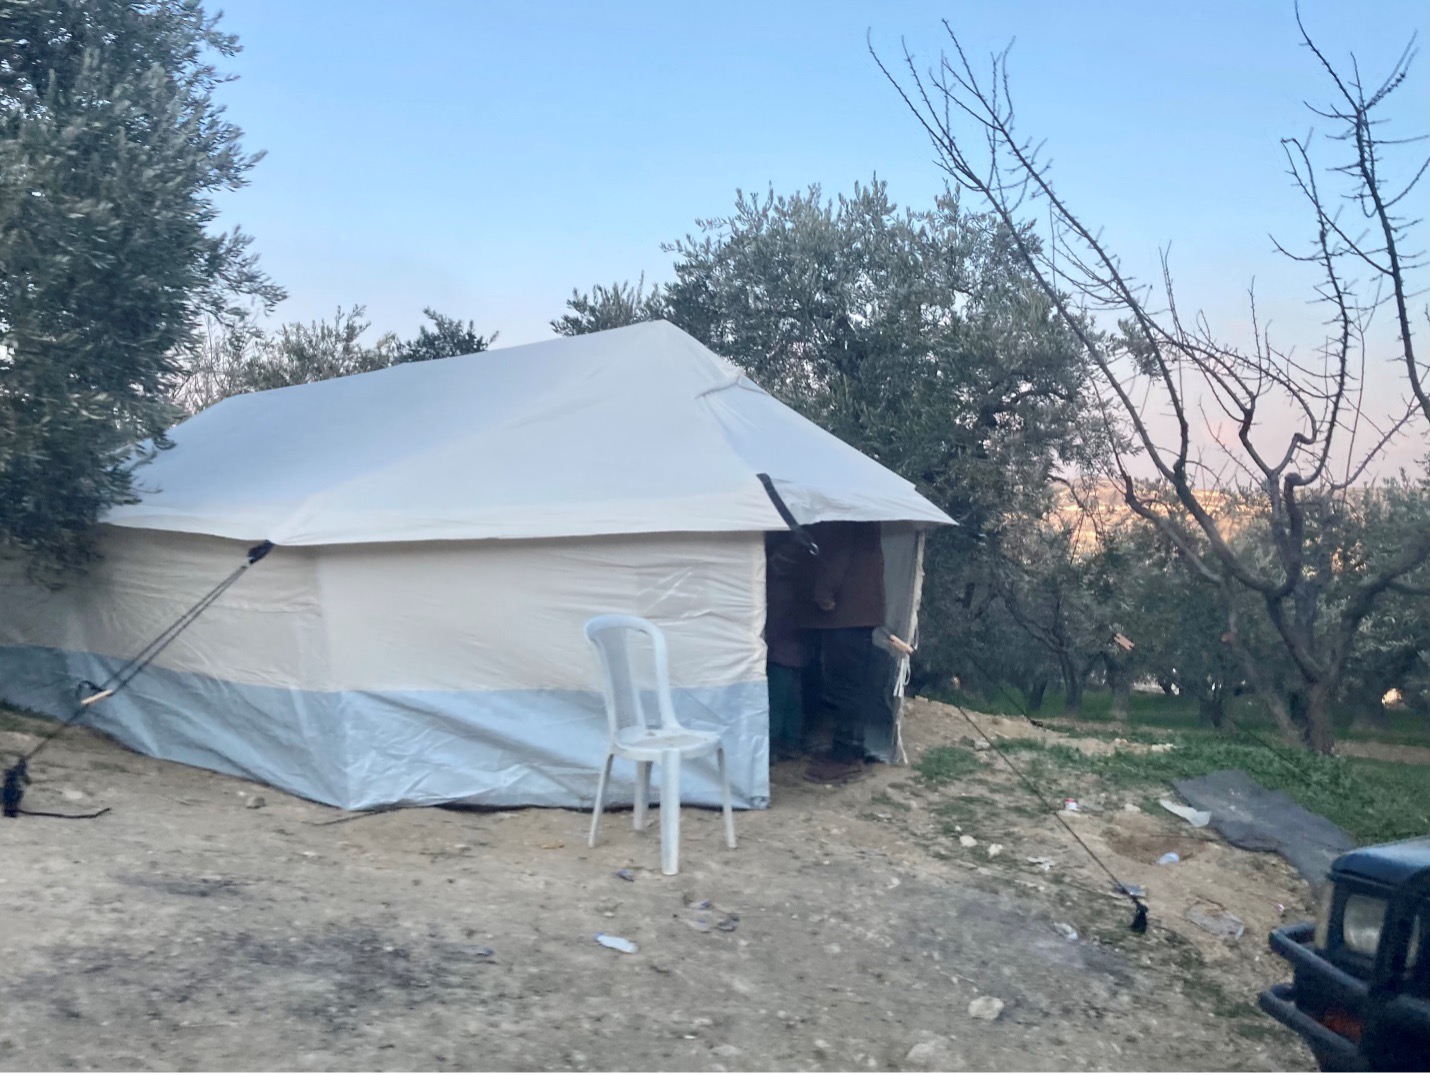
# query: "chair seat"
{"points": [[649, 744]]}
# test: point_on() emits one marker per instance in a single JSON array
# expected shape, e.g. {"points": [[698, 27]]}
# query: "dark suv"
{"points": [[1360, 996]]}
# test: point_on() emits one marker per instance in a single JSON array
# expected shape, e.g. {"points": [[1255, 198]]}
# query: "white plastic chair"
{"points": [[633, 737]]}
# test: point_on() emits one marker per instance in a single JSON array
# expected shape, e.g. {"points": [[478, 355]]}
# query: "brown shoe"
{"points": [[829, 771]]}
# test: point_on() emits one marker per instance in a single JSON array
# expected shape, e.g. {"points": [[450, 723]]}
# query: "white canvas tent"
{"points": [[443, 530]]}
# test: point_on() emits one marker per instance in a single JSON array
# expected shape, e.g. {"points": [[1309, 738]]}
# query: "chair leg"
{"points": [[638, 818], [670, 812], [600, 800], [729, 809]]}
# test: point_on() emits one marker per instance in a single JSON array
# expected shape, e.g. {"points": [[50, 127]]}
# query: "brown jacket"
{"points": [[848, 579]]}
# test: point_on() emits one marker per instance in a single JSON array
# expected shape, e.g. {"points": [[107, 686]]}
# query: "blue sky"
{"points": [[486, 158]]}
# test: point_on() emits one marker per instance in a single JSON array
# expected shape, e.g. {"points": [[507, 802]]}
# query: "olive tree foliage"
{"points": [[112, 148], [1360, 209], [914, 336], [243, 357], [603, 308]]}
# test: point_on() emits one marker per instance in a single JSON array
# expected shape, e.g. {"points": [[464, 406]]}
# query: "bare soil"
{"points": [[210, 923]]}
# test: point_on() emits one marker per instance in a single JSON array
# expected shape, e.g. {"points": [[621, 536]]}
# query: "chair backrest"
{"points": [[612, 636]]}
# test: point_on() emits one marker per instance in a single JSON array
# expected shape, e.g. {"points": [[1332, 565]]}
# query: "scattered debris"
{"points": [[988, 1008], [1071, 806], [1042, 862], [1216, 919], [1198, 819], [994, 850], [967, 841], [625, 873], [700, 922], [728, 924], [552, 847], [478, 953], [1169, 858], [1066, 930], [698, 905], [1138, 891], [618, 944]]}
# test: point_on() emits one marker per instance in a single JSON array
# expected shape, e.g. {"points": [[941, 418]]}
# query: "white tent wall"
{"points": [[466, 674], [414, 673]]}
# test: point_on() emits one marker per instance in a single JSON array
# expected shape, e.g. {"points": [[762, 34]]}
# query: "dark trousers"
{"points": [[786, 705], [847, 689]]}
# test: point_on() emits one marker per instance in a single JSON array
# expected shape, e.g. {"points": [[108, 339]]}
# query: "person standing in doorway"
{"points": [[845, 605]]}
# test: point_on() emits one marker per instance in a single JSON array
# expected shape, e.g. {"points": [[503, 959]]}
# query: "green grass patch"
{"points": [[1156, 711], [880, 799], [944, 765], [1401, 727], [1373, 801]]}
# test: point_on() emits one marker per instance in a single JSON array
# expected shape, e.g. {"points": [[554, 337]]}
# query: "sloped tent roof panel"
{"points": [[635, 430]]}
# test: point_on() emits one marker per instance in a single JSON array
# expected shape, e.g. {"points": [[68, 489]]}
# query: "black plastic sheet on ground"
{"points": [[1256, 819]]}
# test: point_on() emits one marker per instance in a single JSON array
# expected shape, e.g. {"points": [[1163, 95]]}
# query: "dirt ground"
{"points": [[209, 923]]}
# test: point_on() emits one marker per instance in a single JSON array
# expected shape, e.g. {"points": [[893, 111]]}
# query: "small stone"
{"points": [[258, 802], [981, 744], [931, 1055], [1066, 930], [994, 850], [73, 795], [967, 841], [821, 1047], [727, 1051], [702, 1021], [988, 1008], [1132, 808]]}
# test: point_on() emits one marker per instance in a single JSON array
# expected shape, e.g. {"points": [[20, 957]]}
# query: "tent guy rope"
{"points": [[17, 776]]}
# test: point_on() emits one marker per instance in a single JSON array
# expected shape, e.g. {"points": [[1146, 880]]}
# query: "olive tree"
{"points": [[112, 150]]}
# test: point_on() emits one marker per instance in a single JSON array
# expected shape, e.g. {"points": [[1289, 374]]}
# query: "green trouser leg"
{"points": [[786, 705]]}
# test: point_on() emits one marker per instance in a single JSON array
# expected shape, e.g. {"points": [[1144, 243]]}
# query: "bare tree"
{"points": [[1155, 360]]}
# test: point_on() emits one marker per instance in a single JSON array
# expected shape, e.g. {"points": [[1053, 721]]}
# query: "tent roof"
{"points": [[635, 430]]}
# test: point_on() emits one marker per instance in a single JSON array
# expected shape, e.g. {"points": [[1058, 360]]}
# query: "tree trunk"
{"points": [[1121, 684], [1073, 682], [1036, 692], [1320, 734], [1211, 708]]}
